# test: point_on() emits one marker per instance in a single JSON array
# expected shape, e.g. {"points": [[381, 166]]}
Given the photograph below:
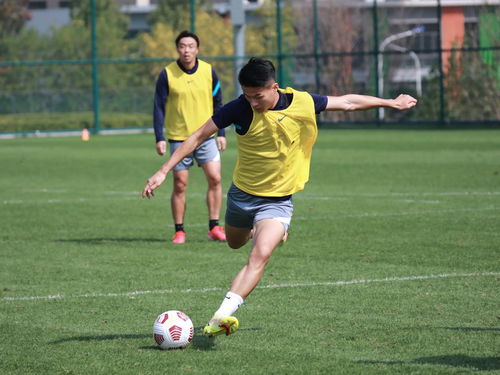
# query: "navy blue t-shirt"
{"points": [[239, 112]]}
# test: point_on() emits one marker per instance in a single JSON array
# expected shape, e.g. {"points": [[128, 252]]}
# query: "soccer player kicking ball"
{"points": [[276, 130]]}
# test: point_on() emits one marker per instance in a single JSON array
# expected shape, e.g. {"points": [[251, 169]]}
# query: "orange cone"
{"points": [[85, 135]]}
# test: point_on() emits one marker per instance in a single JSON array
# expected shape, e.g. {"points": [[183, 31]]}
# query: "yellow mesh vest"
{"points": [[275, 154], [190, 102]]}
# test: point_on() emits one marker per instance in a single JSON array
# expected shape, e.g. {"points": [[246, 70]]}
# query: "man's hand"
{"points": [[404, 101], [221, 143], [161, 147], [153, 182]]}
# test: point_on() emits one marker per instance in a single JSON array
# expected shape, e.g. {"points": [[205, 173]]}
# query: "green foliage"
{"points": [[379, 205], [68, 85], [25, 46], [172, 12], [177, 14], [428, 107], [107, 12], [472, 89], [216, 39], [13, 15], [262, 36]]}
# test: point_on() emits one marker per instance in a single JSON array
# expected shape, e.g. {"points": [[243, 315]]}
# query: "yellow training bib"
{"points": [[190, 101], [275, 154]]}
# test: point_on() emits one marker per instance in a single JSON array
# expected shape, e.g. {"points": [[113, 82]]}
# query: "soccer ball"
{"points": [[173, 330]]}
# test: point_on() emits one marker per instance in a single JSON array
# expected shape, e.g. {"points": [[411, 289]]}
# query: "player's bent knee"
{"points": [[235, 244], [236, 237]]}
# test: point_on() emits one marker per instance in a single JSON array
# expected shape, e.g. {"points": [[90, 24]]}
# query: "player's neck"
{"points": [[188, 65], [276, 100]]}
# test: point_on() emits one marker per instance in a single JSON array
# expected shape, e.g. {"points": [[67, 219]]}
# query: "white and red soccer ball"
{"points": [[173, 330]]}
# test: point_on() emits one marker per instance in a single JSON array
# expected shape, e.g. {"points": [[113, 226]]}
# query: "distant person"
{"points": [[187, 93], [276, 130]]}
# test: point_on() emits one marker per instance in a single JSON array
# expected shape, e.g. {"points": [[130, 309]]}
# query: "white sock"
{"points": [[228, 307]]}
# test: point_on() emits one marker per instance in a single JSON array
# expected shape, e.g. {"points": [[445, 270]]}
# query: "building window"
{"points": [[64, 3], [37, 5]]}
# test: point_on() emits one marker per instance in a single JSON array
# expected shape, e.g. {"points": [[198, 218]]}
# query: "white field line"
{"points": [[271, 286], [44, 190]]}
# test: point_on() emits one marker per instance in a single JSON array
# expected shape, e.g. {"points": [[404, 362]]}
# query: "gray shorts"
{"points": [[206, 152], [244, 210]]}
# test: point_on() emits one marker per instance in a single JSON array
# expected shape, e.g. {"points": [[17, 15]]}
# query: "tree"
{"points": [[338, 32], [66, 87], [176, 13], [472, 91], [13, 16], [106, 10], [215, 40]]}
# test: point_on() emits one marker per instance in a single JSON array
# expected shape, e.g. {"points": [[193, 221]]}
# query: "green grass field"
{"points": [[392, 265]]}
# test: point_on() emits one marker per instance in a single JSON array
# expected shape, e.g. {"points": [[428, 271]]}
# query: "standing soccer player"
{"points": [[187, 93], [276, 130]]}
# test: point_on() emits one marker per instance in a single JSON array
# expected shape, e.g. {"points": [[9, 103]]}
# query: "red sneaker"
{"points": [[179, 237], [217, 234]]}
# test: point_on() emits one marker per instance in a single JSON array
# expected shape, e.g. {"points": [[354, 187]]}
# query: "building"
{"points": [[48, 14]]}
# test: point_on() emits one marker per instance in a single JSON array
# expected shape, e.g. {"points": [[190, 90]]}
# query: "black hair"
{"points": [[187, 34], [257, 72]]}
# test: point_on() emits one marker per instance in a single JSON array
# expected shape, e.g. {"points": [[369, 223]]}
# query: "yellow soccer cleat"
{"points": [[216, 327]]}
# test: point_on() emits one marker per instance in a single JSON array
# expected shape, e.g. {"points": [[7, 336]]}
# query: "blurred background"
{"points": [[72, 64]]}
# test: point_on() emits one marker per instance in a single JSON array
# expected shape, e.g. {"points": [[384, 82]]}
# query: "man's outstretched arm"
{"points": [[354, 102], [187, 147]]}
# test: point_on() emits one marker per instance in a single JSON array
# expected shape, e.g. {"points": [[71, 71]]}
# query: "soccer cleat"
{"points": [[216, 327], [217, 234], [179, 237]]}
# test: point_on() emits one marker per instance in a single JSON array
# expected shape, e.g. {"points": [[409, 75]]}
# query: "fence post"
{"points": [[193, 16], [279, 41], [317, 74], [442, 114], [376, 54], [238, 21], [95, 67]]}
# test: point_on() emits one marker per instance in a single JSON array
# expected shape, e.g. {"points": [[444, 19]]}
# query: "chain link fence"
{"points": [[95, 73]]}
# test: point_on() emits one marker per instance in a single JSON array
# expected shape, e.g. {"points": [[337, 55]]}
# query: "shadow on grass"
{"points": [[199, 342], [103, 240], [100, 240], [456, 360], [126, 336]]}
